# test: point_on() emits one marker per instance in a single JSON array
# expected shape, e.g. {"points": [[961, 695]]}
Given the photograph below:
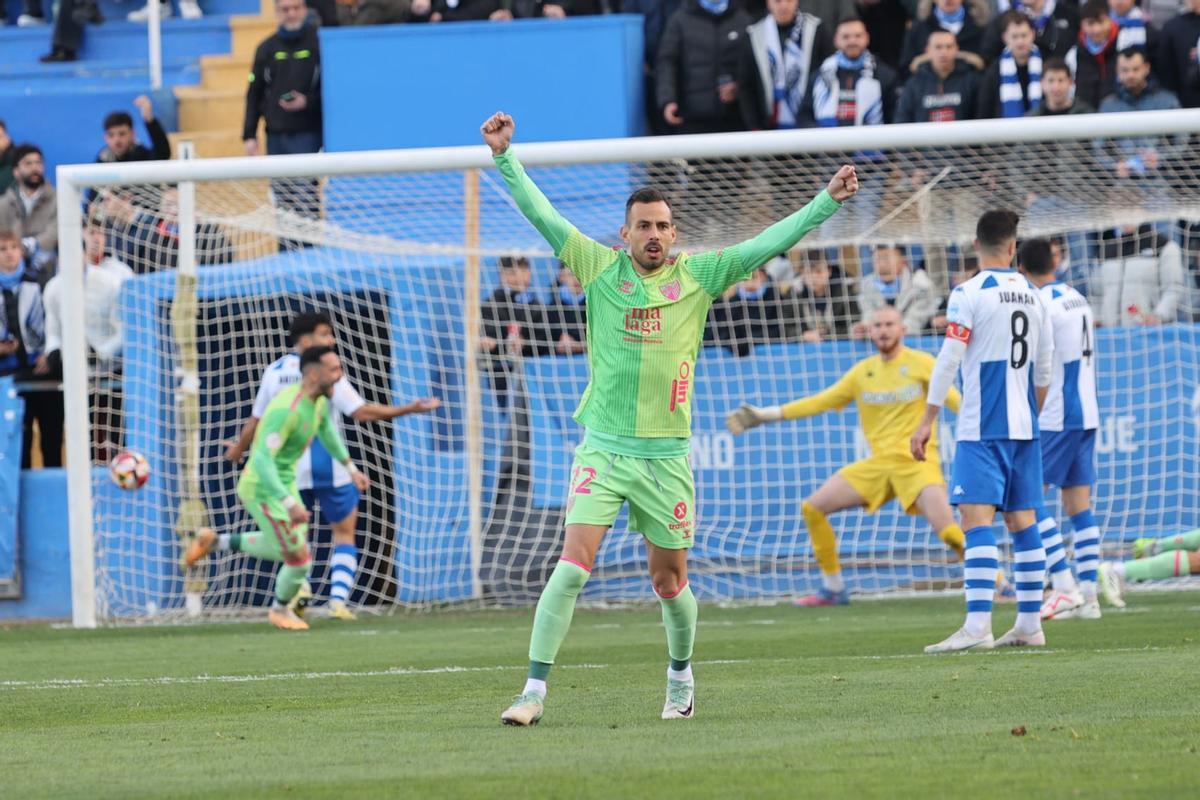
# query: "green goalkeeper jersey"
{"points": [[285, 431], [644, 332]]}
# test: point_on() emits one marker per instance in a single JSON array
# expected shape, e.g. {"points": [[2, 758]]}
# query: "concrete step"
{"points": [[247, 34], [224, 72], [203, 109]]}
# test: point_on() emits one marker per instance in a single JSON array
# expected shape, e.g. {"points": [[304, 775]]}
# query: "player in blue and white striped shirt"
{"points": [[321, 480], [999, 330], [1068, 421]]}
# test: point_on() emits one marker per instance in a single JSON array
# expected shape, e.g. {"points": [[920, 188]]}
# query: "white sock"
{"points": [[1064, 581], [833, 582], [1119, 568], [1028, 621], [223, 541], [978, 622], [682, 675], [278, 606], [1089, 590], [535, 686]]}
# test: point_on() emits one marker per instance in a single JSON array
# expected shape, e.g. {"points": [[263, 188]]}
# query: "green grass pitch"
{"points": [[789, 703]]}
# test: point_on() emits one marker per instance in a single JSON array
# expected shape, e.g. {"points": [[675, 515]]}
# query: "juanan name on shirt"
{"points": [[1021, 298]]}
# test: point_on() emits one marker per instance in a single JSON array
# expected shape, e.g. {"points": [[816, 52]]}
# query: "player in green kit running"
{"points": [[646, 314], [267, 487]]}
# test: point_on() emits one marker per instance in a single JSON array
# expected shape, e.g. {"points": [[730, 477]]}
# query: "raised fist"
{"points": [[498, 132]]}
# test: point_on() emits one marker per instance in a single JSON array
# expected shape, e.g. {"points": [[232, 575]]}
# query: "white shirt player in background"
{"points": [[1068, 422], [998, 328], [322, 481]]}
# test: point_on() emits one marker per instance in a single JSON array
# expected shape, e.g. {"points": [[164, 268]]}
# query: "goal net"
{"points": [[437, 287]]}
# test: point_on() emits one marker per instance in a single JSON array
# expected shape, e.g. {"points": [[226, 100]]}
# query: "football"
{"points": [[129, 470]]}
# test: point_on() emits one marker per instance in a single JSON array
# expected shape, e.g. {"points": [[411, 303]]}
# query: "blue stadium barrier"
{"points": [[12, 413], [45, 549]]}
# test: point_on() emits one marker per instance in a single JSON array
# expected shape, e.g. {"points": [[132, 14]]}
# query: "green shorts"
{"points": [[660, 492], [276, 528]]}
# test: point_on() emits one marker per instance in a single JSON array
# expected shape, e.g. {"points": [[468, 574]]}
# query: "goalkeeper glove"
{"points": [[746, 416]]}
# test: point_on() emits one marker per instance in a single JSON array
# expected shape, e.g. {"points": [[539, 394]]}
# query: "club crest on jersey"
{"points": [[626, 287], [904, 370], [670, 290]]}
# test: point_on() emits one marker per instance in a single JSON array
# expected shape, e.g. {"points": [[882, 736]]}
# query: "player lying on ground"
{"points": [[1067, 423], [321, 479], [999, 330], [267, 487], [646, 314], [889, 390], [1154, 560]]}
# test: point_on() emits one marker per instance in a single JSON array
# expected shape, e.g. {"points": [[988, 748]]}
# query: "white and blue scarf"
{"points": [[951, 22], [1012, 99], [715, 7], [868, 92], [1131, 29], [789, 68]]}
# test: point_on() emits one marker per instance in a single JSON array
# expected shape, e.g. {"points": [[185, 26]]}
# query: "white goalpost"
{"points": [[403, 248]]}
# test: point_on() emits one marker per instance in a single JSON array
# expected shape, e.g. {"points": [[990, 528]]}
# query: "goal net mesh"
{"points": [[391, 258]]}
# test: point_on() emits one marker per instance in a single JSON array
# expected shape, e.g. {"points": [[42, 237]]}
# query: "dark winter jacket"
{"points": [[970, 39], [507, 311], [284, 64], [698, 52], [466, 10], [1056, 38], [1095, 76], [1176, 64], [563, 317], [655, 14], [738, 323], [988, 105], [159, 149], [573, 8], [929, 98]]}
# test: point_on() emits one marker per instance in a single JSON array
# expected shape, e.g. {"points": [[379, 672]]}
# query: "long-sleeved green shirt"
{"points": [[644, 332], [285, 431]]}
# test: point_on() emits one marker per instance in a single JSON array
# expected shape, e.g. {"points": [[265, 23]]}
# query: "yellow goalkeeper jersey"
{"points": [[890, 396]]}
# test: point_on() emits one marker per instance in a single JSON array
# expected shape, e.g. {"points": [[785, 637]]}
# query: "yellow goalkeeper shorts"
{"points": [[880, 478]]}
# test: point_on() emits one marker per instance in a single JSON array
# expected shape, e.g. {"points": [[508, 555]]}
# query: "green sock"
{"points": [[255, 544], [1184, 541], [1164, 565], [288, 580], [679, 618], [554, 610]]}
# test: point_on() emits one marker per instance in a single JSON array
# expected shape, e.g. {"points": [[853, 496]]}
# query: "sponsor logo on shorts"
{"points": [[958, 490], [684, 524], [680, 511]]}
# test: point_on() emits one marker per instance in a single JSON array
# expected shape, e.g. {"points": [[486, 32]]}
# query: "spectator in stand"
{"points": [[1055, 25], [1177, 66], [1141, 273], [820, 300], [910, 292], [944, 85], [285, 90], [697, 66], [148, 240], [32, 17], [22, 342], [886, 21], [1058, 92], [67, 35], [963, 18], [1133, 26], [655, 14], [1093, 61], [745, 315], [103, 278], [1012, 85], [120, 142], [368, 12], [779, 58], [514, 325], [851, 87], [6, 158], [566, 316], [30, 209], [458, 10], [1139, 157], [555, 9]]}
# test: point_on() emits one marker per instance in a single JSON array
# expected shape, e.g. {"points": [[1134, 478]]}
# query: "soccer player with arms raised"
{"points": [[1068, 423], [999, 331], [267, 487], [646, 315], [889, 389]]}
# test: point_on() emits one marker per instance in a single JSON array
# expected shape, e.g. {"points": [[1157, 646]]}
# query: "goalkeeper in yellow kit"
{"points": [[889, 389]]}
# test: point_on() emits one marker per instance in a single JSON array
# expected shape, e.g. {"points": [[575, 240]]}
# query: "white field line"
{"points": [[395, 672]]}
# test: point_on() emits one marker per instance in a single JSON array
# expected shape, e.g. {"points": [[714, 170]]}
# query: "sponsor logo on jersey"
{"points": [[670, 290], [679, 386], [646, 321], [906, 394]]}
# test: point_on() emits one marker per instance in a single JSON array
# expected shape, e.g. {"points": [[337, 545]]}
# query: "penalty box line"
{"points": [[399, 672]]}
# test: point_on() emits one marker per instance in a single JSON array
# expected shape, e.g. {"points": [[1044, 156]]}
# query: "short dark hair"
{"points": [[313, 355], [1013, 17], [9, 236], [1055, 64], [24, 149], [306, 323], [847, 21], [512, 262], [938, 31], [996, 228], [1094, 10], [116, 119], [647, 194], [1136, 50], [1035, 257]]}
